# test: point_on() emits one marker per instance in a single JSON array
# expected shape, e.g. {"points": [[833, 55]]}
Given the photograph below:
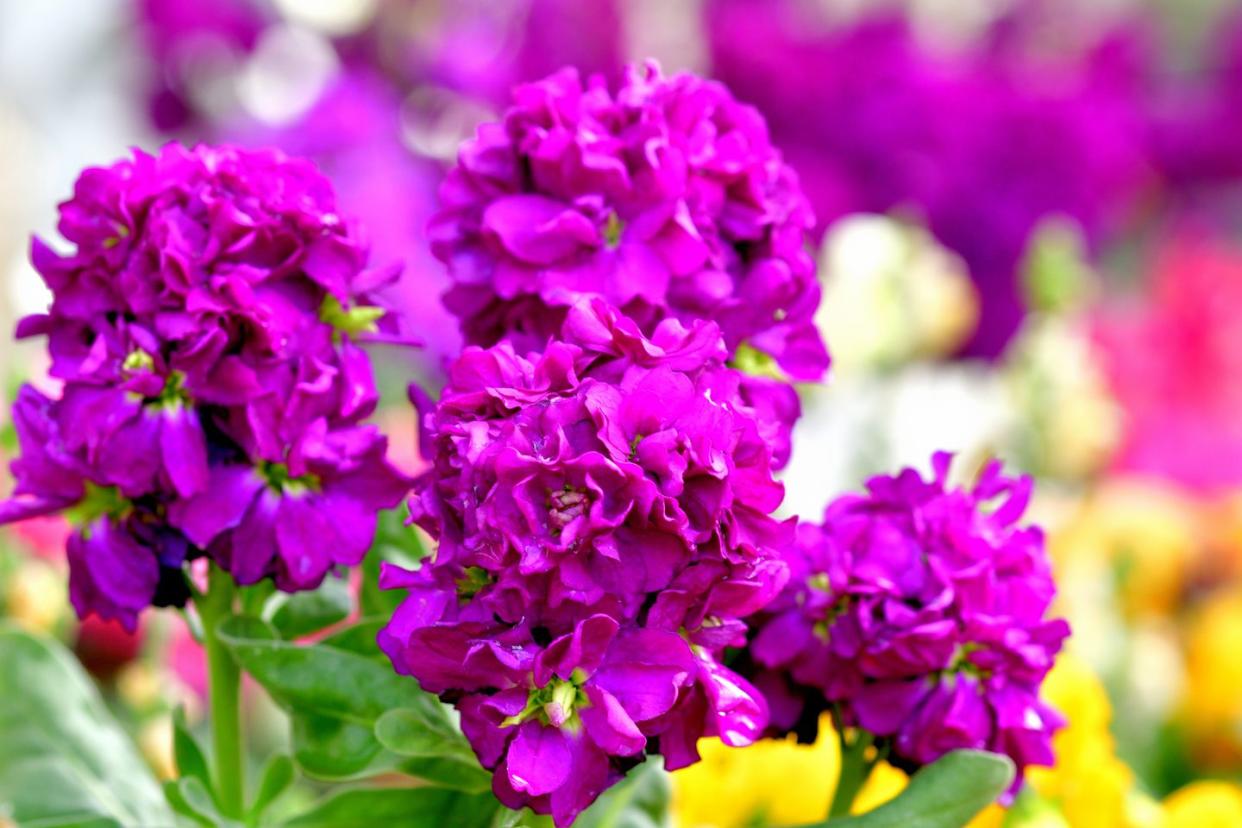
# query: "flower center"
{"points": [[565, 506], [472, 581], [359, 319], [98, 502], [752, 361], [612, 230], [556, 703], [280, 481]]}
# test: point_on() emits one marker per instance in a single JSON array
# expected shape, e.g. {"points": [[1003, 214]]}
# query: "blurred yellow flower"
{"points": [[155, 740], [1149, 535], [1204, 805], [1089, 784], [1212, 707], [1089, 787], [771, 783], [35, 595], [783, 783]]}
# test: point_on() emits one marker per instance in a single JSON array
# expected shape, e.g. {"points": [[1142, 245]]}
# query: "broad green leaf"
{"points": [[445, 772], [359, 638], [639, 801], [328, 747], [322, 679], [188, 754], [64, 761], [304, 613], [278, 774], [335, 697], [945, 794], [189, 797], [407, 807], [409, 733]]}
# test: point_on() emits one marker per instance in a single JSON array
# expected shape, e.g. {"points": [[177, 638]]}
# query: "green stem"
{"points": [[855, 769], [224, 688]]}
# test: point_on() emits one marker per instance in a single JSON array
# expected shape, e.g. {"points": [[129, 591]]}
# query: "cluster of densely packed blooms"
{"points": [[602, 482], [917, 612], [205, 334], [603, 511], [630, 272]]}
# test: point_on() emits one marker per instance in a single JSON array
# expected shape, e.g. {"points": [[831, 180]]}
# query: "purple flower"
{"points": [[294, 522], [917, 612], [206, 331], [665, 198], [978, 141], [603, 510]]}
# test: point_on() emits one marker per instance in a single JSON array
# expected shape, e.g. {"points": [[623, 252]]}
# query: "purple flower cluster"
{"points": [[205, 330], [917, 612], [666, 199], [603, 514], [983, 143]]}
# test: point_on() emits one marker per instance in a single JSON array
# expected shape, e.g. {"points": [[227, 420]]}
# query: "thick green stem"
{"points": [[224, 679], [855, 769]]}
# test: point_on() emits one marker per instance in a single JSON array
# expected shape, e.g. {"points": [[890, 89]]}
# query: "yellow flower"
{"points": [[783, 783], [35, 596], [1147, 534], [1212, 706], [1089, 787], [772, 782], [1204, 805], [1088, 784]]}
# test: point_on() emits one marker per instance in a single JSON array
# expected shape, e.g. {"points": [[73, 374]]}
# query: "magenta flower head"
{"points": [[205, 329], [603, 510], [917, 612], [665, 198]]}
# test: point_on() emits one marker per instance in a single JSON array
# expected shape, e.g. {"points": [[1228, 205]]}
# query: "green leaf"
{"points": [[64, 761], [189, 755], [189, 797], [335, 697], [278, 774], [945, 794], [359, 638], [304, 613], [327, 747], [407, 807], [408, 732], [455, 774], [639, 801], [323, 679]]}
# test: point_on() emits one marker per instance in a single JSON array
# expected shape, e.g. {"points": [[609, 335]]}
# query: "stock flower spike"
{"points": [[603, 515], [666, 198], [917, 612], [205, 332]]}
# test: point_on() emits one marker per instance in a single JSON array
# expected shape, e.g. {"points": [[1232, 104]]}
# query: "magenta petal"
{"points": [[184, 449], [539, 759], [609, 726], [220, 506], [539, 230], [358, 396], [254, 541], [741, 712], [882, 707], [305, 537]]}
